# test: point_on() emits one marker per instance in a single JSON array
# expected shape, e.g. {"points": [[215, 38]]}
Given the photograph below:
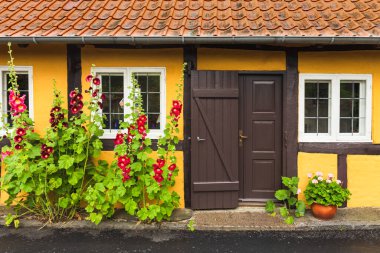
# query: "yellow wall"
{"points": [[233, 59], [171, 59], [48, 62], [311, 163], [353, 62], [363, 180]]}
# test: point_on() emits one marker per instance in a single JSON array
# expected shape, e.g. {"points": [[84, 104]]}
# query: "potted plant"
{"points": [[324, 195]]}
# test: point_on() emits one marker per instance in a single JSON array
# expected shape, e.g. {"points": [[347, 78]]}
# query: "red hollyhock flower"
{"points": [[18, 147], [122, 165], [51, 120], [45, 155], [172, 167], [103, 97], [100, 104], [127, 170], [20, 131], [74, 109], [119, 136], [94, 94], [143, 118], [140, 123], [49, 150], [96, 81], [158, 171], [72, 94], [158, 178], [175, 112], [17, 138], [61, 116], [126, 177], [118, 141], [65, 124], [124, 159], [177, 104], [130, 138], [56, 109], [89, 78], [160, 162], [141, 129], [73, 101]]}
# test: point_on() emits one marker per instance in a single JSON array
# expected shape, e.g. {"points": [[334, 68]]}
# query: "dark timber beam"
{"points": [[342, 172], [291, 113], [74, 69], [190, 58]]}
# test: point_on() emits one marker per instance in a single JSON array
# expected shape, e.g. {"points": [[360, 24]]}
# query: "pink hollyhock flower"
{"points": [[5, 154], [299, 191], [330, 175], [314, 181], [338, 181], [89, 78], [12, 96], [328, 181], [319, 174], [20, 108], [309, 175], [72, 94], [320, 178]]}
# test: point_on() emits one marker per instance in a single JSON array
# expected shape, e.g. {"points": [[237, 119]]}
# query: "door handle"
{"points": [[199, 139], [241, 138]]}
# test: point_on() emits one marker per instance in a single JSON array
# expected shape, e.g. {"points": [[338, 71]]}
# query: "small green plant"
{"points": [[289, 198], [325, 191], [190, 225]]}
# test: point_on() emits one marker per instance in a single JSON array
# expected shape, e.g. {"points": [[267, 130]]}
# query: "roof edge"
{"points": [[192, 40]]}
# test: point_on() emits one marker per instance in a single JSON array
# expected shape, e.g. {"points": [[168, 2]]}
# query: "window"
{"points": [[116, 84], [335, 107], [24, 80]]}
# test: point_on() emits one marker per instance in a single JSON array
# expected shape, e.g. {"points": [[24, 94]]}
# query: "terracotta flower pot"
{"points": [[323, 212]]}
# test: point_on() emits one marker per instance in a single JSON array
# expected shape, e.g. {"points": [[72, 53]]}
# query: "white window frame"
{"points": [[3, 85], [127, 79], [333, 134]]}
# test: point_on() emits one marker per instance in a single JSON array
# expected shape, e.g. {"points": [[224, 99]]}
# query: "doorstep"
{"points": [[240, 219]]}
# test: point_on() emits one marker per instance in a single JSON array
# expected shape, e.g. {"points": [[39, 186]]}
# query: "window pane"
{"points": [[323, 108], [153, 121], [345, 108], [345, 126], [142, 81], [311, 90], [356, 108], [323, 90], [154, 83], [356, 90], [323, 126], [105, 83], [115, 120], [106, 103], [346, 90], [117, 84], [115, 103], [310, 125], [355, 125], [154, 102], [310, 108]]}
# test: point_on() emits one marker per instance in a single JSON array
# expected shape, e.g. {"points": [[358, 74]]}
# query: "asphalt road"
{"points": [[46, 240]]}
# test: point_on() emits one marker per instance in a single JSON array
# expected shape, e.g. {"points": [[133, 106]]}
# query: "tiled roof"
{"points": [[189, 18]]}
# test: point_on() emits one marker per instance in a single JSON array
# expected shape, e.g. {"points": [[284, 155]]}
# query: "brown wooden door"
{"points": [[261, 124], [214, 139]]}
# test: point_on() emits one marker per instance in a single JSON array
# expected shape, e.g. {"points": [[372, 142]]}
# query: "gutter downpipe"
{"points": [[181, 40]]}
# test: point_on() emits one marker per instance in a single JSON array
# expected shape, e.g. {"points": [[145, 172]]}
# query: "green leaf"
{"points": [[270, 206], [16, 223], [65, 161], [130, 206], [75, 177], [300, 208], [142, 214], [96, 218], [289, 220], [136, 191], [284, 212], [63, 202], [281, 194]]}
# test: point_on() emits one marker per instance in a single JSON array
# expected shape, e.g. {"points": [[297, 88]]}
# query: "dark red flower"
{"points": [[61, 116], [100, 104], [49, 150], [65, 124], [79, 97], [73, 101], [103, 97], [80, 105], [96, 81], [18, 147], [51, 120], [127, 170], [172, 167], [20, 131], [43, 147], [74, 109], [160, 162], [126, 177], [44, 155], [72, 94], [89, 78], [118, 141], [56, 109], [94, 94], [17, 138]]}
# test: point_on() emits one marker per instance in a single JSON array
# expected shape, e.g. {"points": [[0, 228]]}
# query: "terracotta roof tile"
{"points": [[190, 18]]}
